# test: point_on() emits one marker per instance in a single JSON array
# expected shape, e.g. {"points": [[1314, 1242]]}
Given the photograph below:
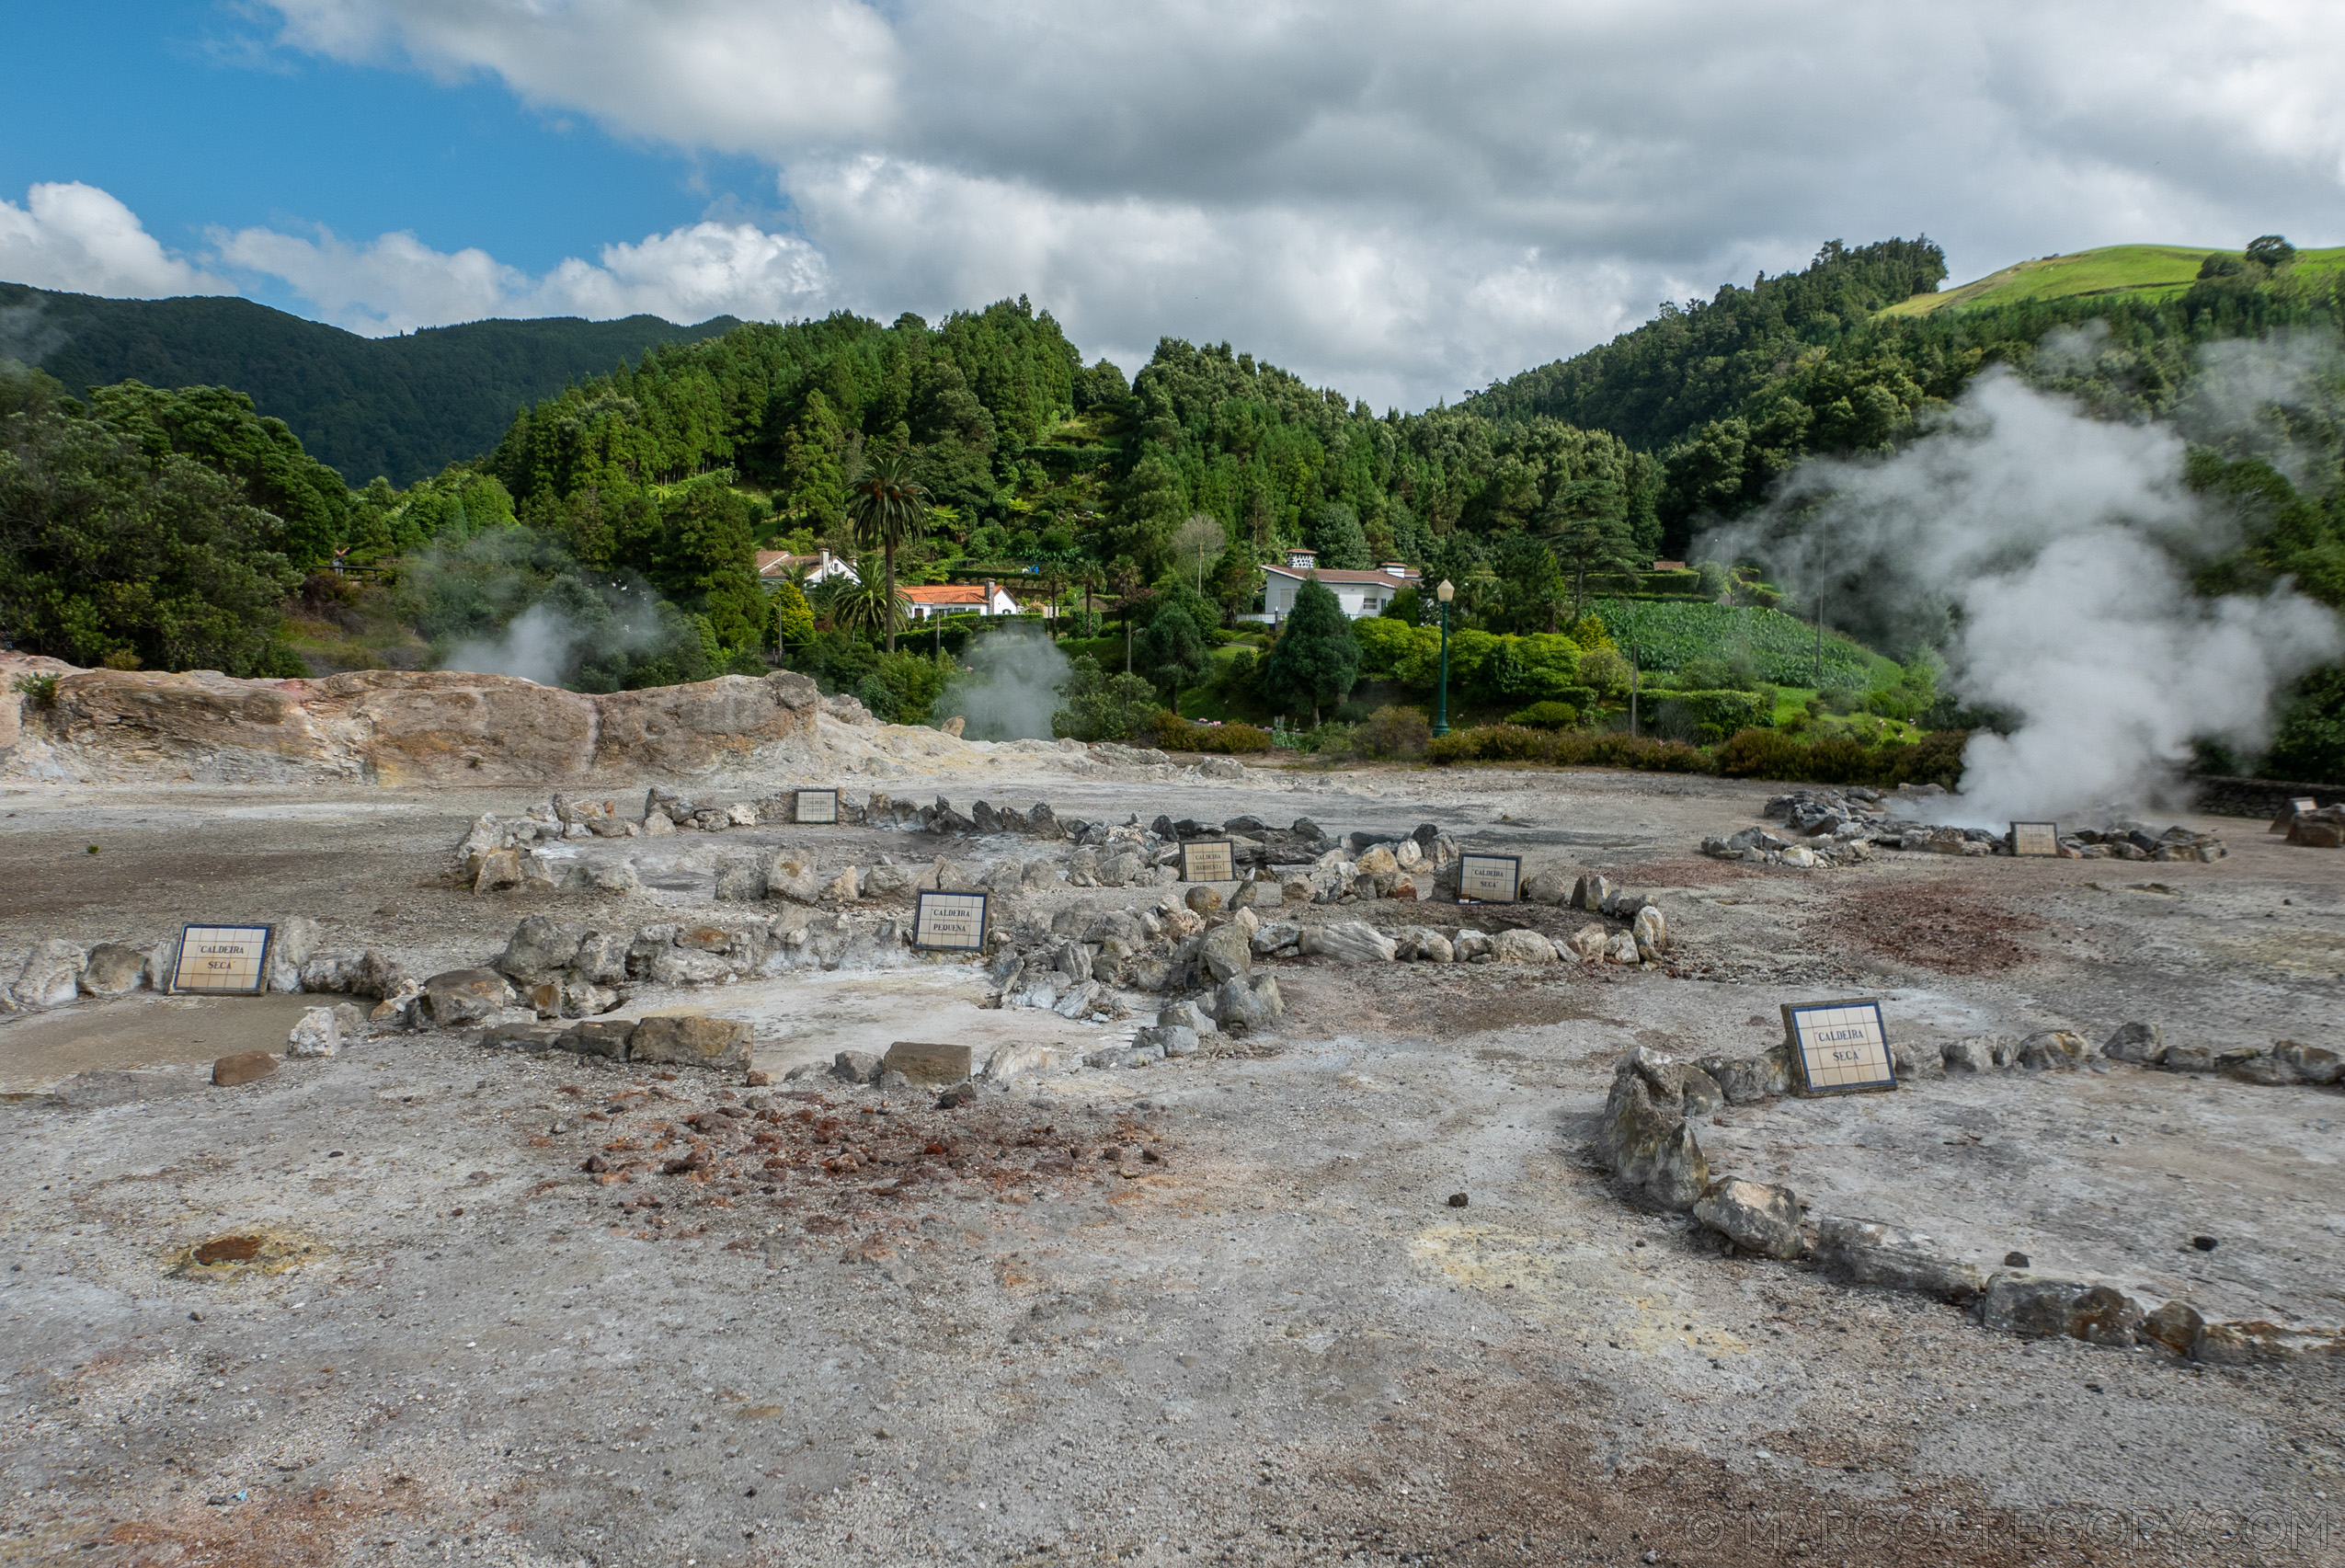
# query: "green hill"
{"points": [[404, 407], [2130, 271]]}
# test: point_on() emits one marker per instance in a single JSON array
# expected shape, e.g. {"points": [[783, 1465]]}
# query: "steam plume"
{"points": [[2048, 553], [1011, 686]]}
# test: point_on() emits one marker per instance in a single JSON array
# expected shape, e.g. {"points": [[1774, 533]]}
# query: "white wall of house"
{"points": [[1359, 599]]}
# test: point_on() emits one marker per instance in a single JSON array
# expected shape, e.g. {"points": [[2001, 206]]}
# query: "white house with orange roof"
{"points": [[1361, 594], [989, 598]]}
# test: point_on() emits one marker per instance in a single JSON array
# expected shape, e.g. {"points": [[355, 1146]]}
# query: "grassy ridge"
{"points": [[2136, 271]]}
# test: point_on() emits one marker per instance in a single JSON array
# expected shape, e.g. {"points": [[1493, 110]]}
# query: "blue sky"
{"points": [[1405, 206], [185, 110]]}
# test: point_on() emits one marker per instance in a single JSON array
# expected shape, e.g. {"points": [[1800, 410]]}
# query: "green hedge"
{"points": [[1174, 733], [1936, 758], [1546, 716]]}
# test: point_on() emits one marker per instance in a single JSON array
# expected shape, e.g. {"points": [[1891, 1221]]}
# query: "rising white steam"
{"points": [[1011, 686], [2049, 552], [541, 645]]}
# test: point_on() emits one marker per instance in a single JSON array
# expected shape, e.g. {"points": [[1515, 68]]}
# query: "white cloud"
{"points": [[1402, 197], [397, 284], [81, 240], [1412, 197]]}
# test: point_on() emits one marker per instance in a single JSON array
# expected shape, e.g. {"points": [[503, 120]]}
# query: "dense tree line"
{"points": [[404, 407]]}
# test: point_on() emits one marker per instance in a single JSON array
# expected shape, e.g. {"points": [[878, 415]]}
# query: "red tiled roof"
{"points": [[946, 593]]}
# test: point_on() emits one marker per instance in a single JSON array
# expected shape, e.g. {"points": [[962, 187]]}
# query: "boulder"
{"points": [[1470, 946], [843, 888], [1544, 886], [1590, 891], [601, 959], [886, 882], [1165, 1040], [1377, 861], [1186, 1015], [1080, 1002], [1867, 1252], [318, 1033], [2177, 1326], [612, 876], [740, 879], [291, 945], [111, 970], [1758, 1217], [1226, 953], [1620, 948], [658, 824], [2262, 1067], [458, 997], [791, 875], [2187, 1058], [689, 1041], [1521, 948], [1649, 1147], [1424, 944], [499, 869], [242, 1067], [601, 1038], [540, 947], [2054, 1048], [2143, 1043], [1262, 893], [1246, 1003], [926, 1063], [1204, 900], [1974, 1055], [2311, 1064], [1348, 942], [1746, 1080], [2042, 1308], [1275, 936], [1651, 931], [338, 973]]}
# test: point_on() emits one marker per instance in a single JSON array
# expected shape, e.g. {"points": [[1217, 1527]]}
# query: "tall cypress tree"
{"points": [[1316, 658]]}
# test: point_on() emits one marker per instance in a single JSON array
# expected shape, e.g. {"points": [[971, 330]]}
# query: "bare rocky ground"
{"points": [[1220, 1309]]}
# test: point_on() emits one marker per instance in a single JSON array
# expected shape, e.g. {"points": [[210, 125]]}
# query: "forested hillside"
{"points": [[1728, 392], [615, 518], [403, 408]]}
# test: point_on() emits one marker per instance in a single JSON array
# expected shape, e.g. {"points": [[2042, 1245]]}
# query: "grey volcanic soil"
{"points": [[1275, 1342]]}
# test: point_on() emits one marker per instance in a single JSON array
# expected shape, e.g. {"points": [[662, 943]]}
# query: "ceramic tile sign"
{"points": [[2035, 838], [1838, 1047], [223, 960], [2302, 804], [1489, 878], [817, 805], [1207, 860], [950, 923]]}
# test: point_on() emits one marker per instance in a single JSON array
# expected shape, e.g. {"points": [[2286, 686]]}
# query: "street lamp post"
{"points": [[1444, 594]]}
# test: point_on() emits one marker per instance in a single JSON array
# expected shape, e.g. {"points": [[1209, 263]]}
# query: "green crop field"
{"points": [[1781, 648], [2142, 271]]}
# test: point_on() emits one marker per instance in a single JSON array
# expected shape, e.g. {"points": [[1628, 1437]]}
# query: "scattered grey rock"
{"points": [[1758, 1217], [1348, 942], [2143, 1043], [111, 970]]}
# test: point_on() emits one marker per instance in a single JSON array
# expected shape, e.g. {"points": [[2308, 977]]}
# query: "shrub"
{"points": [[40, 690], [1102, 706], [1546, 716], [1329, 739], [1604, 671], [1395, 732], [1710, 716], [1493, 743], [1174, 733]]}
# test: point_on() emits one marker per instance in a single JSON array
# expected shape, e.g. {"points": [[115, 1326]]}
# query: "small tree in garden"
{"points": [[1316, 660]]}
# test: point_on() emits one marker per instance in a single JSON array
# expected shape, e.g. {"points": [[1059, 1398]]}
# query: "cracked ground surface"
{"points": [[1219, 1311]]}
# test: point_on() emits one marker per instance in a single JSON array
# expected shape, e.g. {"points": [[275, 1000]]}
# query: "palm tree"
{"points": [[860, 604], [889, 509]]}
